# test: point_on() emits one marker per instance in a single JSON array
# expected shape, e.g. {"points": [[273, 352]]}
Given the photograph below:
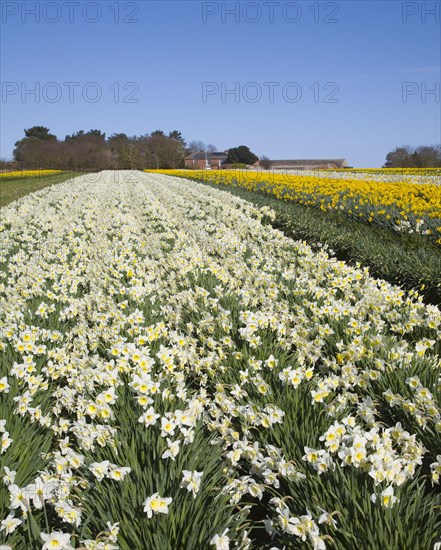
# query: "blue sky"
{"points": [[339, 71]]}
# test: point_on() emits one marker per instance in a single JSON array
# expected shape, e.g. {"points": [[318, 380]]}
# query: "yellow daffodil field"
{"points": [[178, 374], [21, 174], [408, 203]]}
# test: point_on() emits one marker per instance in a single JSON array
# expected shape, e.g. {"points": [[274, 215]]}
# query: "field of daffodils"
{"points": [[405, 203], [177, 374]]}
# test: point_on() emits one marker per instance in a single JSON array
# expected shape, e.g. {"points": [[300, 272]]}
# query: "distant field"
{"points": [[14, 185]]}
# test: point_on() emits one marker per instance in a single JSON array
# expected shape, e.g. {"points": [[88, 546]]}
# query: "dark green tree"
{"points": [[176, 134], [40, 132], [28, 149], [241, 154]]}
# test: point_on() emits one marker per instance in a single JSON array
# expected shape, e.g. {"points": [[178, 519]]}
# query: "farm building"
{"points": [[210, 161], [308, 164], [202, 160]]}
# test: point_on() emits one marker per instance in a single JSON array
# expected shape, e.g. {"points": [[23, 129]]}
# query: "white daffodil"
{"points": [[156, 505], [221, 542], [5, 442], [10, 524], [4, 386], [9, 477], [118, 474], [191, 481], [99, 469], [172, 450], [56, 541], [387, 498], [149, 417]]}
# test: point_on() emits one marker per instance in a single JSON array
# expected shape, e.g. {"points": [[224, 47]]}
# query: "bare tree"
{"points": [[428, 156], [196, 146], [265, 162], [424, 156], [210, 148]]}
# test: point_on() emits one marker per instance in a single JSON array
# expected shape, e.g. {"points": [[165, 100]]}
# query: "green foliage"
{"points": [[241, 154], [14, 188], [40, 132]]}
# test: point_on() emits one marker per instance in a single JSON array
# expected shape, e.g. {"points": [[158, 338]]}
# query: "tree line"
{"points": [[424, 156], [91, 150]]}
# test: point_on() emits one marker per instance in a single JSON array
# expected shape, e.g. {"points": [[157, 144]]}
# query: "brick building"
{"points": [[205, 161]]}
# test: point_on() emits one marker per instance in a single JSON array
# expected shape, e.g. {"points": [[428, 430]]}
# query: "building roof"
{"points": [[201, 155], [309, 162]]}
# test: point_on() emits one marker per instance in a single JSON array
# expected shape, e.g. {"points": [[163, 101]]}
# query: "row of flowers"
{"points": [[21, 174], [384, 175], [178, 374], [395, 205]]}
